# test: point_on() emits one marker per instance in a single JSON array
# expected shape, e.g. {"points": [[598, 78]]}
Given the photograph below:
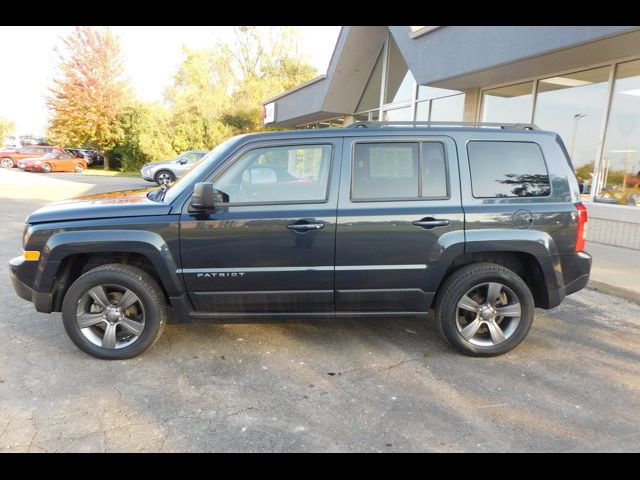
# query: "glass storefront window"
{"points": [[371, 95], [620, 166], [573, 105], [400, 81], [447, 109], [510, 104]]}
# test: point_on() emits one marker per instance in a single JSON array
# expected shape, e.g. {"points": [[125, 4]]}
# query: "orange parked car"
{"points": [[54, 162], [9, 159]]}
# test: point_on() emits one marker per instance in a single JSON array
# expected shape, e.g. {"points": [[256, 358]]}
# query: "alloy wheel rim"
{"points": [[110, 316], [79, 168], [488, 314], [164, 178], [46, 168], [6, 163]]}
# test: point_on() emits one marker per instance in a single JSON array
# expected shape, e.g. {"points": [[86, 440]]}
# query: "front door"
{"points": [[271, 247], [400, 220]]}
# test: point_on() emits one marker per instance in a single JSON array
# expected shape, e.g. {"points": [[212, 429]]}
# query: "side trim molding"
{"points": [[302, 269]]}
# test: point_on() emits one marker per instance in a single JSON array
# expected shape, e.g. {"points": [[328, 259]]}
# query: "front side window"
{"points": [[507, 169], [278, 174], [398, 170], [191, 157]]}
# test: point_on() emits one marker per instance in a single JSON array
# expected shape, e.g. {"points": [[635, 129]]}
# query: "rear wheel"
{"points": [[46, 168], [6, 162], [114, 312], [78, 168], [484, 309]]}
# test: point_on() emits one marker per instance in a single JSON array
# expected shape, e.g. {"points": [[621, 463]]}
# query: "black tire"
{"points": [[7, 162], [46, 168], [132, 278], [171, 177], [466, 278]]}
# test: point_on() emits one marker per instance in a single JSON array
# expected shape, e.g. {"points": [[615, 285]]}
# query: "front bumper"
{"points": [[32, 168], [42, 301], [21, 289], [147, 175]]}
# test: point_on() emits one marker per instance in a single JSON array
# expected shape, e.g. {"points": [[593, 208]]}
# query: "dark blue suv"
{"points": [[483, 223]]}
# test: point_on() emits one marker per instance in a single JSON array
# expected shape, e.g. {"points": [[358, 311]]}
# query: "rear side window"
{"points": [[434, 171], [399, 171], [507, 169]]}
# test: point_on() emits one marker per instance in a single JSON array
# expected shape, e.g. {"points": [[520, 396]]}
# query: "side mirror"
{"points": [[205, 197], [182, 161]]}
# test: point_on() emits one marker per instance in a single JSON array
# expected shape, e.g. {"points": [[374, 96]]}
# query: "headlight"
{"points": [[26, 235]]}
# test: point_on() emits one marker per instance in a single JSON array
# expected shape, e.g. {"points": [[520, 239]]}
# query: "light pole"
{"points": [[576, 117]]}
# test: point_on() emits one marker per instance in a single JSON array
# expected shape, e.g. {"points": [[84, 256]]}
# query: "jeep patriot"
{"points": [[481, 222]]}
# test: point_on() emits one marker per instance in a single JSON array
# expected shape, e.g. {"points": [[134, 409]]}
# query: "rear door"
{"points": [[399, 215]]}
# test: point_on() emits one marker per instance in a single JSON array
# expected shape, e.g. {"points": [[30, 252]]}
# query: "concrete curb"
{"points": [[621, 292]]}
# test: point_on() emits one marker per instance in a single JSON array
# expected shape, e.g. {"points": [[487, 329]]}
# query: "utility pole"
{"points": [[576, 117]]}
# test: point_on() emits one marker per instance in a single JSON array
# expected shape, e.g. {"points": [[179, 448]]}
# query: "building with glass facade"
{"points": [[580, 81]]}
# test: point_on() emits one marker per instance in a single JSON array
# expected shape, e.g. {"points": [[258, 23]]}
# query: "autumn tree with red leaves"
{"points": [[89, 93]]}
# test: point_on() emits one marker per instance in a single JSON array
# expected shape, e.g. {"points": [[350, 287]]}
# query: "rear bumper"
{"points": [[42, 301], [576, 268]]}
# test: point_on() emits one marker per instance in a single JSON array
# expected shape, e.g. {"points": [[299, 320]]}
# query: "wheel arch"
{"points": [[69, 254], [526, 265]]}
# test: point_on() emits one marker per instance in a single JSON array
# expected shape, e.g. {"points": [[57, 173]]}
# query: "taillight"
{"points": [[581, 236]]}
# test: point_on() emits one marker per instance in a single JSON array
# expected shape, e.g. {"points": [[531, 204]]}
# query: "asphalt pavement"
{"points": [[364, 385]]}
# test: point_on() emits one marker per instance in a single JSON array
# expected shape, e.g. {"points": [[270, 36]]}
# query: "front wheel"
{"points": [[484, 309], [78, 168], [164, 177], [46, 168], [6, 162], [114, 312]]}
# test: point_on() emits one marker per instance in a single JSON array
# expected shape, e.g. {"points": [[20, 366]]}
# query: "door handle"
{"points": [[305, 227], [430, 222]]}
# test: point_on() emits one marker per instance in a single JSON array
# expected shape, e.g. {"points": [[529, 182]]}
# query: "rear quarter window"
{"points": [[507, 169]]}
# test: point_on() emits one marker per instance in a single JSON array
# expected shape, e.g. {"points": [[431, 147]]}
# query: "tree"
{"points": [[584, 172], [199, 98], [145, 135], [218, 92], [7, 127], [266, 62], [89, 93]]}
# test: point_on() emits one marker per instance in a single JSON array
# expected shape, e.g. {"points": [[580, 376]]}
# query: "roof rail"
{"points": [[515, 126]]}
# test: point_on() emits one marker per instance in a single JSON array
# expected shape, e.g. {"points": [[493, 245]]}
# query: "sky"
{"points": [[151, 57]]}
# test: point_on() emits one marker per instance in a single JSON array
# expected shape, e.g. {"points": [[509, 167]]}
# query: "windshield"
{"points": [[206, 162]]}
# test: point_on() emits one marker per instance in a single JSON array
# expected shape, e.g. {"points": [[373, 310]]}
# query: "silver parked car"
{"points": [[167, 172]]}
